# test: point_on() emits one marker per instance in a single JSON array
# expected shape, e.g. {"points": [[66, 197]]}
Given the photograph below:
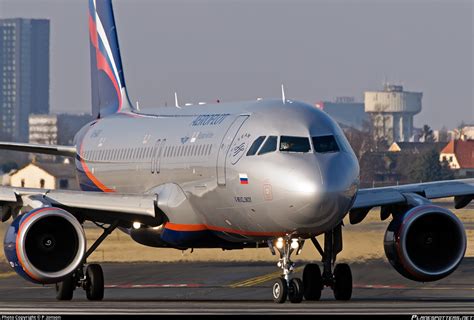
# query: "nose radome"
{"points": [[305, 178], [325, 200], [338, 172]]}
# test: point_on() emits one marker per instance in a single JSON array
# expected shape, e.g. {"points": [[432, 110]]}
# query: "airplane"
{"points": [[237, 175]]}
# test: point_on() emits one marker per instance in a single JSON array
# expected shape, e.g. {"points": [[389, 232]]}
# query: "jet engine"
{"points": [[45, 245], [426, 243]]}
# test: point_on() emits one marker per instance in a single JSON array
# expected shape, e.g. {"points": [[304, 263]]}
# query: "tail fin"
{"points": [[109, 94]]}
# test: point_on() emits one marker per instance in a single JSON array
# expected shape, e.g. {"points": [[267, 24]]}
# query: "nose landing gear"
{"points": [[287, 287], [339, 278]]}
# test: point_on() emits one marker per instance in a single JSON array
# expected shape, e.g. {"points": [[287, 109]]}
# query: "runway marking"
{"points": [[379, 286], [168, 285], [260, 279]]}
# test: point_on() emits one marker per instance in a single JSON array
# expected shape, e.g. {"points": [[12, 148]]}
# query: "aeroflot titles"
{"points": [[209, 119]]}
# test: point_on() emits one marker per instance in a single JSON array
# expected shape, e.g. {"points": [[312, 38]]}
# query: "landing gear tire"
{"points": [[312, 282], [65, 289], [280, 290], [295, 290], [342, 282], [94, 282]]}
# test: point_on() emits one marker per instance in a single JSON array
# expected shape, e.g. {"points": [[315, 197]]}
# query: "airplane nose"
{"points": [[338, 172], [323, 191]]}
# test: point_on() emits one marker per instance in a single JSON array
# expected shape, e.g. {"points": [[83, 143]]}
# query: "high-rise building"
{"points": [[24, 74]]}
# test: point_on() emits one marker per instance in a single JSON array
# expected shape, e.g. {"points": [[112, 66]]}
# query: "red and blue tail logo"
{"points": [[109, 94]]}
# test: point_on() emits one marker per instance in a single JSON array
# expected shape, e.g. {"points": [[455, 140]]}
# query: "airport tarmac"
{"points": [[241, 288]]}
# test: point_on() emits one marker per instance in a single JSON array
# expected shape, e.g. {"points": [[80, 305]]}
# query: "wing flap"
{"points": [[94, 206]]}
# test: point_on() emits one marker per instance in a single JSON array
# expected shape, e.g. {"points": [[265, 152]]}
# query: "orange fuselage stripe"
{"points": [[204, 227], [89, 174]]}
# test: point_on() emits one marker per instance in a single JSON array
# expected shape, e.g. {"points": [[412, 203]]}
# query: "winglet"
{"points": [[176, 104], [283, 98]]}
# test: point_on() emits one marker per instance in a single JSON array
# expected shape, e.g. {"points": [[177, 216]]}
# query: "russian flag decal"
{"points": [[243, 178]]}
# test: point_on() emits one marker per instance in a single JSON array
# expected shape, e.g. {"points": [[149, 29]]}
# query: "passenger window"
{"points": [[270, 145], [325, 144], [255, 145], [294, 144]]}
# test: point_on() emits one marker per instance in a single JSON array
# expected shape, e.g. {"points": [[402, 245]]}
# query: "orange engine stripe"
{"points": [[18, 238]]}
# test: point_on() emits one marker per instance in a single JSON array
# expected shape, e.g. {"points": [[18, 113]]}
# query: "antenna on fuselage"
{"points": [[283, 98], [176, 104], [138, 106]]}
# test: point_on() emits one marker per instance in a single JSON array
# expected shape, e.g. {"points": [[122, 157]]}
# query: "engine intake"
{"points": [[427, 243], [45, 245]]}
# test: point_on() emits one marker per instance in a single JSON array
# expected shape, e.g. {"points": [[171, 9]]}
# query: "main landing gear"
{"points": [[90, 278], [338, 279]]}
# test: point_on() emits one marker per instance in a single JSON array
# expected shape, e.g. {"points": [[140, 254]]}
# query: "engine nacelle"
{"points": [[426, 243], [45, 245]]}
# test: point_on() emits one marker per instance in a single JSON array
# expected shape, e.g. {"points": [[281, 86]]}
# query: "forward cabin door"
{"points": [[224, 148]]}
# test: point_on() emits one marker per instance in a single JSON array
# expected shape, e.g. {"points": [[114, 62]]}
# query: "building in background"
{"points": [[392, 111], [45, 176], [43, 129], [24, 74], [416, 147], [56, 128], [460, 156], [466, 132], [346, 112]]}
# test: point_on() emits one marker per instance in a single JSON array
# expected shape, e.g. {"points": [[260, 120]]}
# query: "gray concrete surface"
{"points": [[239, 288]]}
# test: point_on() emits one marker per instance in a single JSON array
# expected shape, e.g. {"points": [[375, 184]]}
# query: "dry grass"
{"points": [[361, 242]]}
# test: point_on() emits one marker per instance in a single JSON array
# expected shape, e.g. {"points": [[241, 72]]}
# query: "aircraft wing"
{"points": [[67, 151], [366, 199], [84, 205]]}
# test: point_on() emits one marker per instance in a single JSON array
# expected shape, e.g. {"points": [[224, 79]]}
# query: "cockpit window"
{"points": [[294, 144], [255, 145], [324, 144], [269, 146]]}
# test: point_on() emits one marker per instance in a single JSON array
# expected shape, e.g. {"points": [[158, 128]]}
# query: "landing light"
{"points": [[279, 243], [137, 225], [294, 244], [305, 187]]}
